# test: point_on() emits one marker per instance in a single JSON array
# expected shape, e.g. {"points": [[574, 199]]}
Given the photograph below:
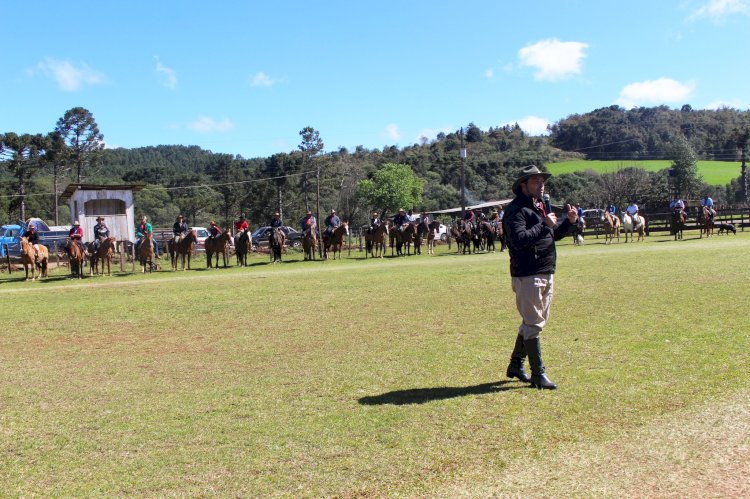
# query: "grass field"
{"points": [[713, 172], [382, 378]]}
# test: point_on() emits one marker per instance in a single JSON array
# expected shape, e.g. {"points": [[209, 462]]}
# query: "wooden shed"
{"points": [[113, 202]]}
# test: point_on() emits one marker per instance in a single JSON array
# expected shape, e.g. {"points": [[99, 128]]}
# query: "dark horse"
{"points": [[405, 236], [335, 242], [276, 244], [218, 245], [464, 236], [243, 244], [182, 248], [375, 241], [678, 223], [102, 254], [488, 234], [75, 255]]}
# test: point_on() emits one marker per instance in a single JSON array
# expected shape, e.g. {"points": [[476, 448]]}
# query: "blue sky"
{"points": [[245, 77]]}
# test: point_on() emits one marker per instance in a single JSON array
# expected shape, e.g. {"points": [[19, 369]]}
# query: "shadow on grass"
{"points": [[424, 395]]}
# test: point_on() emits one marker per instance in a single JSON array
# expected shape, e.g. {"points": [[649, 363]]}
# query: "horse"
{"points": [[611, 227], [76, 256], [335, 241], [218, 245], [405, 236], [183, 247], [375, 242], [707, 222], [678, 223], [146, 252], [500, 235], [633, 228], [276, 244], [310, 242], [102, 254], [578, 229], [431, 230], [28, 260], [243, 244], [488, 234]]}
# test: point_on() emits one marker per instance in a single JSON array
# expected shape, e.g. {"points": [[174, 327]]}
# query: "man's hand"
{"points": [[572, 213], [550, 220]]}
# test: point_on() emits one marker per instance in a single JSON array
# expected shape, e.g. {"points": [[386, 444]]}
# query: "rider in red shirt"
{"points": [[241, 224], [76, 235]]}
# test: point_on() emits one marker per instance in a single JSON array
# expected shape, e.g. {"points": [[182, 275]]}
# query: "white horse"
{"points": [[635, 224]]}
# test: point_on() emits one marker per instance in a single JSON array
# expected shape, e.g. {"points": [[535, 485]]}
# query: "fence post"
{"points": [[7, 256]]}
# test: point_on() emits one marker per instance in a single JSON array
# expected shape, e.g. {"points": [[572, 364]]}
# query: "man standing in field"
{"points": [[532, 230]]}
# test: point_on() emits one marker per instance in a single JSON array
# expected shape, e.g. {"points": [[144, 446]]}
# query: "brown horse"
{"points": [[465, 235], [335, 241], [102, 254], [432, 229], [243, 244], [216, 246], [28, 259], [405, 236], [488, 234], [276, 241], [310, 242], [76, 257], [707, 222], [611, 227], [183, 247], [375, 241], [146, 252], [678, 223]]}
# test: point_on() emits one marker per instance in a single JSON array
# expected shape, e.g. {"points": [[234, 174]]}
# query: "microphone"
{"points": [[547, 205]]}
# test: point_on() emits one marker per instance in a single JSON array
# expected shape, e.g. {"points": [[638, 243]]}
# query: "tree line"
{"points": [[205, 186]]}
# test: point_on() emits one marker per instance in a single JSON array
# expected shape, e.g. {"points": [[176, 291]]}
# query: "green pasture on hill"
{"points": [[363, 378], [713, 172]]}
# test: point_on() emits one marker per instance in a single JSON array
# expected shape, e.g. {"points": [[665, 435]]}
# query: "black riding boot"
{"points": [[515, 368], [538, 378]]}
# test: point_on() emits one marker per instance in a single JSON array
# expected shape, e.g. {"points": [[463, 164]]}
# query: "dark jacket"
{"points": [[100, 231], [531, 243], [179, 229]]}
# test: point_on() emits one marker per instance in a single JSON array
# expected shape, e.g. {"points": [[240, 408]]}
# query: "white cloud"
{"points": [[206, 124], [392, 131], [532, 125], [553, 59], [261, 79], [659, 91], [68, 76], [719, 10], [733, 104], [490, 73], [169, 78]]}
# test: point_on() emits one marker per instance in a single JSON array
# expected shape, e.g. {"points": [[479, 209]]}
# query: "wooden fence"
{"points": [[660, 221]]}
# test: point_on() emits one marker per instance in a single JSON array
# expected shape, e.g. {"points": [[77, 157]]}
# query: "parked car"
{"points": [[293, 236], [10, 236]]}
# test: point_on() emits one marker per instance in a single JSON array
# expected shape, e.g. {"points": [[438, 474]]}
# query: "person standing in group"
{"points": [[531, 233]]}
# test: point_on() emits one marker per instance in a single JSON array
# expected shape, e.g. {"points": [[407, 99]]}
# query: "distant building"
{"points": [[113, 202]]}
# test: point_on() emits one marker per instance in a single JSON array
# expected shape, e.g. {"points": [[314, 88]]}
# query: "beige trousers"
{"points": [[533, 300]]}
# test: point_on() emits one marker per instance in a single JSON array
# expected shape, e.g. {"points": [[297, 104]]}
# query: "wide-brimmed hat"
{"points": [[99, 219], [333, 211], [526, 173], [277, 214], [76, 223], [309, 212], [401, 209]]}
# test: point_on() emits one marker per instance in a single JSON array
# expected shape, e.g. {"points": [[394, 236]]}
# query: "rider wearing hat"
{"points": [[76, 235], [101, 232], [214, 230], [32, 236], [308, 222], [401, 220], [179, 229], [241, 224], [332, 221], [275, 222], [141, 230], [374, 222]]}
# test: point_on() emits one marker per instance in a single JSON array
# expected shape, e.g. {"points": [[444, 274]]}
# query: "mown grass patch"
{"points": [[713, 172], [353, 377]]}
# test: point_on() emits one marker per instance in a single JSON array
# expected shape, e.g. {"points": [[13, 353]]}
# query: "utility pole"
{"points": [[743, 177], [463, 177], [317, 209]]}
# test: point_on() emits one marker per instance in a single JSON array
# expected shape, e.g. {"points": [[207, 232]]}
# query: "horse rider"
{"points": [[32, 236], [76, 236], [241, 225], [179, 229], [374, 222], [101, 232], [332, 221], [308, 223], [141, 230], [401, 220], [412, 217], [495, 219], [275, 223], [611, 209], [214, 231], [709, 203], [632, 210], [678, 206], [424, 218]]}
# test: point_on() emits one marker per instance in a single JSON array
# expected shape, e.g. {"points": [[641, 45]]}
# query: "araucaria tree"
{"points": [[685, 178], [82, 139], [21, 154], [392, 187]]}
